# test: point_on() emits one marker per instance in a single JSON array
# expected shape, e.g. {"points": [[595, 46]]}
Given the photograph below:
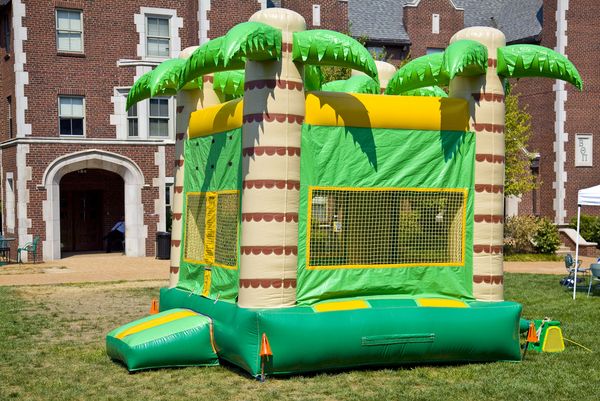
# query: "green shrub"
{"points": [[589, 227], [546, 238], [530, 234]]}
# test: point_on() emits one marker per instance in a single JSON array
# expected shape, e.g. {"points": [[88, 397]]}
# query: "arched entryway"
{"points": [[91, 202], [93, 161]]}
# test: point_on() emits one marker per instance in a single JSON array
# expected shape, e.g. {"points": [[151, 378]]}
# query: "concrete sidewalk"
{"points": [[86, 268]]}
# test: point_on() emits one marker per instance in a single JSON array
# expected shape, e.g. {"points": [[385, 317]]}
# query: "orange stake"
{"points": [[265, 352], [154, 307]]}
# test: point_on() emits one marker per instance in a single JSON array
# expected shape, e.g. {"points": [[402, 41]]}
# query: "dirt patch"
{"points": [[81, 310]]}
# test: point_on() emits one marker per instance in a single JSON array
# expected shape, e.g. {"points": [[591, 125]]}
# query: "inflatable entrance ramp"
{"points": [[177, 337]]}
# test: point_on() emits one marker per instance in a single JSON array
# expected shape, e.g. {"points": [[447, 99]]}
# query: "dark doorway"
{"points": [[91, 202]]}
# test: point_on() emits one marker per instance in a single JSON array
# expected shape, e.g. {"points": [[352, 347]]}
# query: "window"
{"points": [[69, 31], [132, 122], [432, 50], [159, 117], [157, 38], [10, 203], [71, 115], [6, 32], [9, 116], [583, 150], [435, 23], [316, 15]]}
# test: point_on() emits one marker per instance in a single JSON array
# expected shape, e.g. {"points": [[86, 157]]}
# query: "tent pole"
{"points": [[576, 251]]}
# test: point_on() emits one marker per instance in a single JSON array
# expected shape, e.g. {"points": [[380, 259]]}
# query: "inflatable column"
{"points": [[385, 71], [486, 100], [272, 123], [188, 101]]}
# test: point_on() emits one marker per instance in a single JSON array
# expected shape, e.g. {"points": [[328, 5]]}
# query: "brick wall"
{"points": [[418, 25], [581, 108], [224, 14], [7, 79], [109, 35], [334, 13]]}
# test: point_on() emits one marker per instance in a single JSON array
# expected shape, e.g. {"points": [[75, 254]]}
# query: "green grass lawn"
{"points": [[52, 348]]}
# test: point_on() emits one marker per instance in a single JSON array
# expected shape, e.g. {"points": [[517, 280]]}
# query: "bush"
{"points": [[589, 227], [530, 234], [546, 238]]}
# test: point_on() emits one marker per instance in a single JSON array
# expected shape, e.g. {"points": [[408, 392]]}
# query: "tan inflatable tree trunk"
{"points": [[273, 116], [385, 72], [486, 99], [188, 101]]}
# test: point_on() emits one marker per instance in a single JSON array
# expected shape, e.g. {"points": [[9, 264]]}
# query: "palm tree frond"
{"points": [[324, 47], [165, 76], [141, 90], [252, 40], [313, 77], [355, 84], [418, 73], [207, 59], [519, 61], [230, 83], [433, 91], [465, 58]]}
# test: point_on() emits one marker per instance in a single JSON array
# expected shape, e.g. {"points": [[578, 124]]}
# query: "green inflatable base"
{"points": [[177, 337], [387, 332]]}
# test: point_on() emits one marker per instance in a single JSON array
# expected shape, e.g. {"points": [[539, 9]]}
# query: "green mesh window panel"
{"points": [[195, 214], [385, 227], [226, 247]]}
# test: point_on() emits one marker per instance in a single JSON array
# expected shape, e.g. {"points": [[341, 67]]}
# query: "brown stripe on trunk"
{"points": [[271, 151], [208, 78], [177, 216], [268, 217], [286, 47], [267, 283], [496, 128], [272, 83], [492, 62], [175, 243], [174, 269], [488, 218], [495, 249], [485, 157], [491, 279], [488, 97], [179, 163], [180, 109], [267, 250], [279, 184], [270, 117], [179, 136], [489, 188], [178, 189]]}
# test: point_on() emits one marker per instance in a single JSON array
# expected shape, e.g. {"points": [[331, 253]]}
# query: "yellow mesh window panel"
{"points": [[553, 342], [226, 249], [386, 227], [210, 222], [194, 227]]}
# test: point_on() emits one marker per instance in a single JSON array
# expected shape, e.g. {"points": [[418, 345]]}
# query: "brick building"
{"points": [[73, 161]]}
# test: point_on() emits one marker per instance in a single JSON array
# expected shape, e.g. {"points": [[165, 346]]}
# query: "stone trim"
{"points": [[22, 194], [135, 230], [21, 76]]}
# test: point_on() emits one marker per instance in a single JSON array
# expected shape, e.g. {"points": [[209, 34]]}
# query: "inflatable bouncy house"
{"points": [[334, 225]]}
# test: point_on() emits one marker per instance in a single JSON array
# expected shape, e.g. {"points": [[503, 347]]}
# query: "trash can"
{"points": [[163, 245]]}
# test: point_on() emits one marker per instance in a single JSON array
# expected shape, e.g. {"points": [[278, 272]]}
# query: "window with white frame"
{"points": [[435, 23], [132, 122], [316, 15], [71, 115], [158, 117], [69, 31], [158, 39]]}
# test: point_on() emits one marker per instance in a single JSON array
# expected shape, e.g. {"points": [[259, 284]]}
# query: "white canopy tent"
{"points": [[585, 197]]}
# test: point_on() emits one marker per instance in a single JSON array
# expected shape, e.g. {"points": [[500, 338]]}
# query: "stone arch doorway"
{"points": [[91, 202], [90, 160]]}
